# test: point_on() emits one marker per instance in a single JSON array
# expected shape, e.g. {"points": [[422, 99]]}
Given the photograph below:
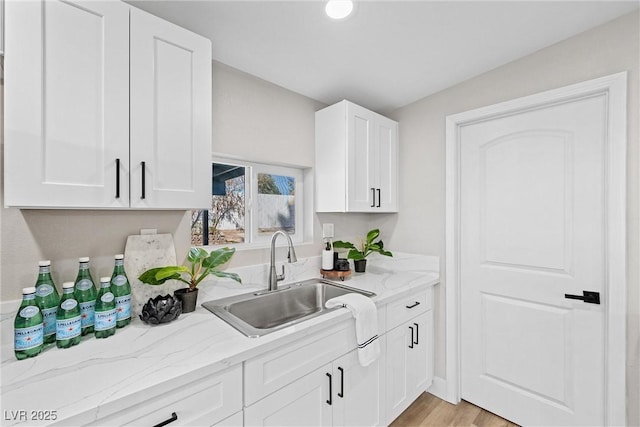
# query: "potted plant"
{"points": [[366, 247], [202, 265]]}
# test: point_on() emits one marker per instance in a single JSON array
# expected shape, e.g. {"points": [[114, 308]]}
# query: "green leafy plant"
{"points": [[366, 246], [202, 265]]}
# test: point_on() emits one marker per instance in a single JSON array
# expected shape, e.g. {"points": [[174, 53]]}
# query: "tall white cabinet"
{"points": [[356, 167], [81, 118]]}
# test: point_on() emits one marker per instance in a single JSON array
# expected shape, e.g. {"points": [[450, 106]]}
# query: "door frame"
{"points": [[614, 87]]}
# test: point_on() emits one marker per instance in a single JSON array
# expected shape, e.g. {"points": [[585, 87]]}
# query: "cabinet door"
{"points": [[358, 392], [170, 115], [304, 402], [387, 165], [67, 104], [361, 156], [409, 356]]}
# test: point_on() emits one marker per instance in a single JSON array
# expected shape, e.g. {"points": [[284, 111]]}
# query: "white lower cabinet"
{"points": [[409, 369]]}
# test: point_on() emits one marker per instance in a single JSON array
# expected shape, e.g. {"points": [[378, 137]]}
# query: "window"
{"points": [[249, 202]]}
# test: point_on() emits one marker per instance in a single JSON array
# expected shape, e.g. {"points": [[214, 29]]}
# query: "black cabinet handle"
{"points": [[417, 334], [412, 342], [117, 178], [378, 205], [174, 417], [587, 296], [143, 164], [417, 303], [373, 195], [330, 392], [341, 394]]}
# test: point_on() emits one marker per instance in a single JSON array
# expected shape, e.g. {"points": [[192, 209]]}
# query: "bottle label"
{"points": [[69, 304], [29, 311], [105, 320], [84, 284], [123, 307], [87, 312], [49, 320], [68, 328], [119, 280], [107, 297], [44, 290], [28, 338]]}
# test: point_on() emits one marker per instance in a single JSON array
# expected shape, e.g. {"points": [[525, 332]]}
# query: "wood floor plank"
{"points": [[430, 411]]}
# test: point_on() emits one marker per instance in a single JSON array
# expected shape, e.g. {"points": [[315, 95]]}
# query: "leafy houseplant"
{"points": [[202, 265], [365, 248]]}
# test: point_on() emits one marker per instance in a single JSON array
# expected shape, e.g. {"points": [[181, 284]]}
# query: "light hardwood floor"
{"points": [[428, 411]]}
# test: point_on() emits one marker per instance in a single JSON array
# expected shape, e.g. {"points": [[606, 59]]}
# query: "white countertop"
{"points": [[102, 376]]}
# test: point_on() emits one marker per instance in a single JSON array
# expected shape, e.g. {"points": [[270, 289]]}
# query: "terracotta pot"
{"points": [[360, 265], [189, 298]]}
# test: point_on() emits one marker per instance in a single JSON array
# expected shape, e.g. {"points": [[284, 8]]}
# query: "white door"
{"points": [[67, 104], [358, 391], [304, 402], [170, 115], [532, 229], [360, 159], [386, 165]]}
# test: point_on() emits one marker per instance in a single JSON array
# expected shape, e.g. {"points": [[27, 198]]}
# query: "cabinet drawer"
{"points": [[203, 402], [267, 373], [407, 307]]}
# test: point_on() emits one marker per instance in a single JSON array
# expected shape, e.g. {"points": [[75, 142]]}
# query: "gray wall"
{"points": [[608, 49]]}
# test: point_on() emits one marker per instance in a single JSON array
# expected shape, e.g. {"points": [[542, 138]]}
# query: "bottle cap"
{"points": [[67, 285], [105, 279], [119, 256], [44, 263], [83, 259], [29, 290]]}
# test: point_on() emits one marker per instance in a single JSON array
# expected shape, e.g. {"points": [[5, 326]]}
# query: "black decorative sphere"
{"points": [[161, 309]]}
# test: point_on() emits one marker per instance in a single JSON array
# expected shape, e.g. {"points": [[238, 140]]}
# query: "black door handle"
{"points": [[417, 303], [143, 164], [341, 394], [117, 178], [587, 296], [330, 392], [173, 418], [417, 334], [378, 205], [412, 342]]}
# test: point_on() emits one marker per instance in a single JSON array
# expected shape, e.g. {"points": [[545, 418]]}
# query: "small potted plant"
{"points": [[202, 265], [366, 247]]}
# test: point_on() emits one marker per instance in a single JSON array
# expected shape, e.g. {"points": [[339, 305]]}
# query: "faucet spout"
{"points": [[274, 278]]}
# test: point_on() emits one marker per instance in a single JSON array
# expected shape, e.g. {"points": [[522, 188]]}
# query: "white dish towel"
{"points": [[366, 315]]}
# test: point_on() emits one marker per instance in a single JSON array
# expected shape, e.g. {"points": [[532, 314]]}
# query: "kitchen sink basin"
{"points": [[259, 313]]}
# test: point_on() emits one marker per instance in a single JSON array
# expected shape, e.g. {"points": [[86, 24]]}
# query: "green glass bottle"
{"points": [[68, 319], [105, 313], [28, 326], [48, 300], [86, 294], [122, 291]]}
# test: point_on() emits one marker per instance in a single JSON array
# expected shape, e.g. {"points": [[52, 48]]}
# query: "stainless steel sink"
{"points": [[259, 313]]}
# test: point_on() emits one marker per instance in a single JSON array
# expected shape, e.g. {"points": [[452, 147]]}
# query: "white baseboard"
{"points": [[439, 388]]}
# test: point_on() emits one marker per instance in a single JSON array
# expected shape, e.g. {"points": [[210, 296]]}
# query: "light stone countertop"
{"points": [[100, 377]]}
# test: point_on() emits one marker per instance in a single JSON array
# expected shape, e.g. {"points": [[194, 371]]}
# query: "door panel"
{"points": [[532, 229]]}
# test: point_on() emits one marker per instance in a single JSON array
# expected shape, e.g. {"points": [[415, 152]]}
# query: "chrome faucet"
{"points": [[274, 278]]}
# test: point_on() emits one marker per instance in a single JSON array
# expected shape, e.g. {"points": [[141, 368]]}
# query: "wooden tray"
{"points": [[335, 274]]}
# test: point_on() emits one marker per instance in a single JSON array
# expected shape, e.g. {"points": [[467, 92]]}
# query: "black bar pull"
{"points": [[143, 164], [587, 296], [117, 178], [417, 303], [411, 345], [341, 394], [417, 334], [330, 392], [378, 205], [373, 194], [174, 417]]}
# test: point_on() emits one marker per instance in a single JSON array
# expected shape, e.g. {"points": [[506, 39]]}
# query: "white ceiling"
{"points": [[388, 53]]}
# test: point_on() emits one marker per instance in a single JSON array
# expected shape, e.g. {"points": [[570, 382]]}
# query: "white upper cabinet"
{"points": [[170, 115], [72, 96], [356, 160]]}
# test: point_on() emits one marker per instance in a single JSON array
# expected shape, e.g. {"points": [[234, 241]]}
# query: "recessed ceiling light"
{"points": [[338, 9]]}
